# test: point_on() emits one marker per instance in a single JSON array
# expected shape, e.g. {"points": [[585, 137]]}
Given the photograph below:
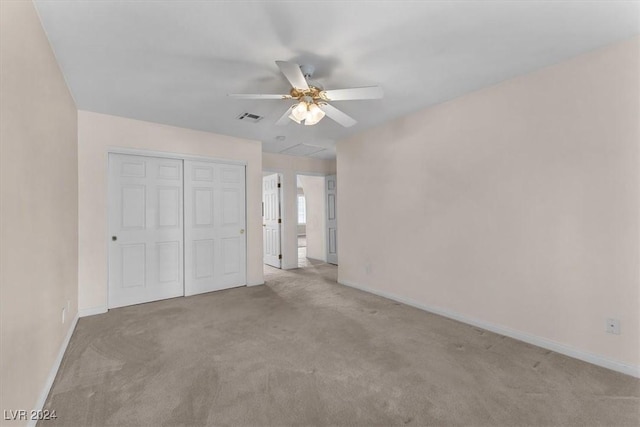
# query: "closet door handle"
{"points": [[242, 231]]}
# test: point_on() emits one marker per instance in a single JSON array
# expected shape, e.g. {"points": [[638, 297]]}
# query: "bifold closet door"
{"points": [[145, 229], [215, 224]]}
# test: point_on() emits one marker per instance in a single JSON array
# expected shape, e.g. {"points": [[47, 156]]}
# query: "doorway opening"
{"points": [[311, 219], [301, 229]]}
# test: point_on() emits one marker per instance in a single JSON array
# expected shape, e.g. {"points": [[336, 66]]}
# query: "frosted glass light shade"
{"points": [[294, 119], [300, 111], [314, 115]]}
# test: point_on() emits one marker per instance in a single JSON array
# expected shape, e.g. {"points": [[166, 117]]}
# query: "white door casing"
{"points": [[332, 219], [271, 220], [215, 224], [145, 229]]}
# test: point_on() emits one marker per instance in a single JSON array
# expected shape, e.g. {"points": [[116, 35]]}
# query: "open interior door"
{"points": [[271, 220]]}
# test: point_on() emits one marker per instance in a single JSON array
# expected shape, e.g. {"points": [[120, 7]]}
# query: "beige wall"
{"points": [[516, 205], [289, 167], [96, 134], [39, 208], [314, 195]]}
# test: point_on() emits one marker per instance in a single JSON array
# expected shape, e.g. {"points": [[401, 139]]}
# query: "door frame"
{"points": [[167, 155], [327, 220], [324, 206], [284, 199]]}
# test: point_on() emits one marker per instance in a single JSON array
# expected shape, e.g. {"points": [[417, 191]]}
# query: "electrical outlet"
{"points": [[64, 312], [613, 326]]}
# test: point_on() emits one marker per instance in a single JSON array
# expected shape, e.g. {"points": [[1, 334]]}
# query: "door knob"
{"points": [[114, 238], [242, 231]]}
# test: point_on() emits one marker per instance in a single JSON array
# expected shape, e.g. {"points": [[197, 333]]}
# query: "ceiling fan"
{"points": [[313, 100]]}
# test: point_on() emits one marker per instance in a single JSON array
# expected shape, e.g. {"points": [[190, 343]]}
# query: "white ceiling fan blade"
{"points": [[284, 120], [337, 115], [258, 96], [369, 92], [292, 72]]}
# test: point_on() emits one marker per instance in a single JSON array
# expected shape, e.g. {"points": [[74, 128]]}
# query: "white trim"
{"points": [[246, 227], [91, 311], [171, 155], [272, 171], [42, 399], [107, 230], [314, 173], [289, 261], [595, 359]]}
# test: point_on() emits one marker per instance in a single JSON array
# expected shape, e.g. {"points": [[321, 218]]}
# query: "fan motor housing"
{"points": [[313, 92]]}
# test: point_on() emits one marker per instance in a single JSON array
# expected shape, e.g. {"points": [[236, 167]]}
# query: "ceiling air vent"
{"points": [[251, 118]]}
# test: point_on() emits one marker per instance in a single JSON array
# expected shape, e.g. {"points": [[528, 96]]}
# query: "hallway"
{"points": [[303, 261]]}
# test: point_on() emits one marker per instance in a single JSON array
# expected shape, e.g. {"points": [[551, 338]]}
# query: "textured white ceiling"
{"points": [[174, 62]]}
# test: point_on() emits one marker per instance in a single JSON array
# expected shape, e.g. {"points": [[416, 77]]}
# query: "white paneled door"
{"points": [[155, 253], [145, 227], [215, 223], [271, 220], [332, 219]]}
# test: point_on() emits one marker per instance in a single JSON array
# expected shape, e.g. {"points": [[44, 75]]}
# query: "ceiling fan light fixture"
{"points": [[300, 111], [311, 97], [314, 115], [294, 119]]}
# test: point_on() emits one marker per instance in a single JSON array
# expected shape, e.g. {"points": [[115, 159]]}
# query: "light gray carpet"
{"points": [[304, 350]]}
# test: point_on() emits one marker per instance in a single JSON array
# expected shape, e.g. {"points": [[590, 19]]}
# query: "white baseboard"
{"points": [[42, 399], [595, 359], [91, 311]]}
